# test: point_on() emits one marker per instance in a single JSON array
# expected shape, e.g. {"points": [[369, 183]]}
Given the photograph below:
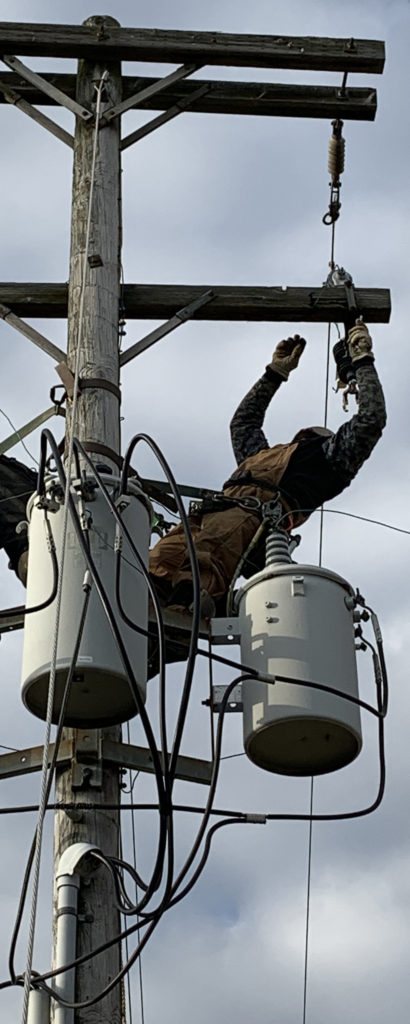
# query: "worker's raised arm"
{"points": [[354, 441], [246, 425]]}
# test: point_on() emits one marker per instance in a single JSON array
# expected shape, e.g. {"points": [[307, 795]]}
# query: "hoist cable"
{"points": [[335, 156], [53, 659], [308, 884]]}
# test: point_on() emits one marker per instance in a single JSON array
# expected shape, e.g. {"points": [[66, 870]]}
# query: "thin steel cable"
{"points": [[321, 521], [309, 874], [331, 264], [127, 953], [211, 710], [53, 660], [134, 854], [20, 439]]}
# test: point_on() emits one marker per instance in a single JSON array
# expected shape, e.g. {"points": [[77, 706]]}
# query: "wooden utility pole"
{"points": [[89, 760], [97, 423]]}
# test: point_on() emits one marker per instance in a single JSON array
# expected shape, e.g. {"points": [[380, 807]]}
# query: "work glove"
{"points": [[359, 342], [286, 355]]}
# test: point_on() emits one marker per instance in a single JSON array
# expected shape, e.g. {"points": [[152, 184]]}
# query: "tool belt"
{"points": [[219, 502]]}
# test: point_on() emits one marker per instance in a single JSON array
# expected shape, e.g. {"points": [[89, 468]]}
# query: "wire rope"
{"points": [[17, 432], [53, 659], [308, 886], [134, 854]]}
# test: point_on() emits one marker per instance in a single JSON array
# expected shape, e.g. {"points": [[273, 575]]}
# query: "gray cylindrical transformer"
{"points": [[296, 621], [100, 692]]}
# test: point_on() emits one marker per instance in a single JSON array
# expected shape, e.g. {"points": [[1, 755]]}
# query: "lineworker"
{"points": [[313, 468]]}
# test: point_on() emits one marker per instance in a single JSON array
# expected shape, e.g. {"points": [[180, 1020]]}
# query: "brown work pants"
{"points": [[220, 539]]}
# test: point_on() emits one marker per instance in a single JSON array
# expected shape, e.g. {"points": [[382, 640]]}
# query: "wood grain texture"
{"points": [[261, 99], [97, 420], [103, 42], [231, 302]]}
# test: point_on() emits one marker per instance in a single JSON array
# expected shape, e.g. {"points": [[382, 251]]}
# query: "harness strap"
{"points": [[245, 476]]}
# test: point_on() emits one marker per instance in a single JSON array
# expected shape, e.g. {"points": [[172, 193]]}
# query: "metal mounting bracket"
{"points": [[179, 318], [87, 761], [225, 630], [88, 752], [15, 620], [234, 703]]}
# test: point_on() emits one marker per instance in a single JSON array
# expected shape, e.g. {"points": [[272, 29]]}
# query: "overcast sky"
{"points": [[238, 200]]}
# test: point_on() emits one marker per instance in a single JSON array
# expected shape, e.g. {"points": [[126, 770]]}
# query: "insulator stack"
{"points": [[277, 547], [336, 161]]}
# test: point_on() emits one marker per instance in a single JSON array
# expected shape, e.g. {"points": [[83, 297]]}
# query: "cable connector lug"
{"points": [[87, 581]]}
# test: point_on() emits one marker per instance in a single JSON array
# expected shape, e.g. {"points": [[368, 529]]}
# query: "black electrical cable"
{"points": [[107, 608], [53, 763], [195, 584], [195, 624], [211, 795], [207, 848], [22, 609], [208, 809], [78, 448], [162, 797], [154, 920], [166, 840]]}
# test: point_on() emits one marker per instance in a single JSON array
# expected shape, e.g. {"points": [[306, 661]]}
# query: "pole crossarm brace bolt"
{"points": [[151, 90], [160, 332], [156, 122], [47, 87]]}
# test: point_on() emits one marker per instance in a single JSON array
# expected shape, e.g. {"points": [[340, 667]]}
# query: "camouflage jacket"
{"points": [[345, 451]]}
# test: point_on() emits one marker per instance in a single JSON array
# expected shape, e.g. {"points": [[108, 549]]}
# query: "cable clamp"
{"points": [[234, 703], [256, 819], [87, 762]]}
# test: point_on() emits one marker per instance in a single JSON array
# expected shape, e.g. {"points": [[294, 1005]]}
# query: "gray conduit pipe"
{"points": [[68, 884]]}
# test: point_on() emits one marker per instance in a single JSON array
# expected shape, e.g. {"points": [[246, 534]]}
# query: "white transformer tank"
{"points": [[297, 621], [100, 691]]}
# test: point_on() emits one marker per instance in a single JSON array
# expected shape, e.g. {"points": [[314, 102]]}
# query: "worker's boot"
{"points": [[21, 570], [163, 588], [182, 598]]}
